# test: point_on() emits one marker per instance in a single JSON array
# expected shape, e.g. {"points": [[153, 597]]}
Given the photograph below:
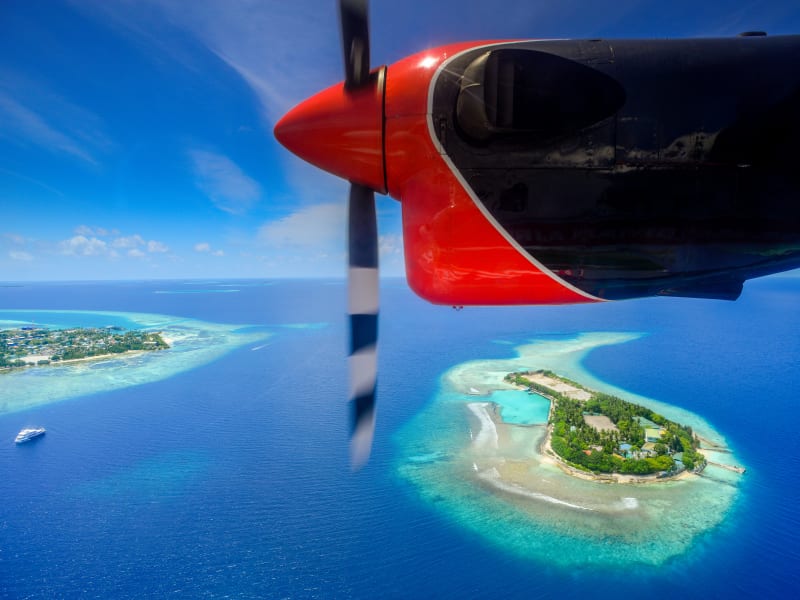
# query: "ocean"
{"points": [[221, 470]]}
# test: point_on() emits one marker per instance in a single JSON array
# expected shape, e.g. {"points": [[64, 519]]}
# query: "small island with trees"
{"points": [[593, 432], [39, 346]]}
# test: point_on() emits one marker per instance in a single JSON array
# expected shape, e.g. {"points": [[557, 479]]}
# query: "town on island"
{"points": [[602, 437], [38, 346]]}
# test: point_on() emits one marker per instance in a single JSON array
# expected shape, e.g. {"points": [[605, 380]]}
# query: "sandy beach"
{"points": [[548, 455], [487, 431], [191, 343], [506, 460], [509, 458], [488, 461], [33, 359]]}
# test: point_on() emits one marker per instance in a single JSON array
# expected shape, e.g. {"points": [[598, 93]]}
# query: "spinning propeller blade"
{"points": [[363, 253], [354, 15], [341, 130], [363, 309]]}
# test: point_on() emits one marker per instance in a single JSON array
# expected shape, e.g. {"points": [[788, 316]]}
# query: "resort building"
{"points": [[653, 434]]}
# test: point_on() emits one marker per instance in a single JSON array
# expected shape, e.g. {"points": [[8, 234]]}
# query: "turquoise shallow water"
{"points": [[520, 407], [490, 477], [231, 480], [193, 343]]}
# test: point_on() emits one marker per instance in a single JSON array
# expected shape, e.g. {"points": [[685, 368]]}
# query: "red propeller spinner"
{"points": [[341, 131]]}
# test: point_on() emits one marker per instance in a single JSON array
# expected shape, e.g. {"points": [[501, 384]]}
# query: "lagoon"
{"points": [[497, 482], [521, 408], [193, 342]]}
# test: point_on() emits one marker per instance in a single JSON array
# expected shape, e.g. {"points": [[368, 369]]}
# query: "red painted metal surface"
{"points": [[384, 137], [340, 132], [454, 254]]}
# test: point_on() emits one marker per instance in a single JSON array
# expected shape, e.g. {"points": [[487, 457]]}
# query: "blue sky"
{"points": [[136, 135]]}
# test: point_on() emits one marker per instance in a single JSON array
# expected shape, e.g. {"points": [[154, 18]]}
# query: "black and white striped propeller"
{"points": [[363, 253]]}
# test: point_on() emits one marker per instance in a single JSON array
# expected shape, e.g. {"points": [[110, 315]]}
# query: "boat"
{"points": [[27, 435]]}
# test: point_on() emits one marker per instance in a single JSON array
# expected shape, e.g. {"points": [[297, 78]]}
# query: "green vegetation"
{"points": [[17, 345], [621, 449]]}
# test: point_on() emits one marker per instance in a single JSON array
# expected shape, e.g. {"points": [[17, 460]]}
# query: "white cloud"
{"points": [[14, 238], [20, 255], [205, 247], [243, 32], [131, 241], [20, 122], [83, 246], [273, 96], [390, 245], [154, 246], [228, 187], [322, 226], [312, 241], [301, 38], [135, 246], [96, 231]]}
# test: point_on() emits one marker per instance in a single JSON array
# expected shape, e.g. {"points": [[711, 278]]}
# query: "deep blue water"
{"points": [[232, 480]]}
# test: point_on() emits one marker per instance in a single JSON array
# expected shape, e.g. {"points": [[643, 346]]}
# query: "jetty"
{"points": [[734, 468]]}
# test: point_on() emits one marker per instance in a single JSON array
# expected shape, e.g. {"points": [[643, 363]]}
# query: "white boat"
{"points": [[27, 435]]}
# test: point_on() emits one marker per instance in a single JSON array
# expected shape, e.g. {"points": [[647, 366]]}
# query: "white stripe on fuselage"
{"points": [[484, 211]]}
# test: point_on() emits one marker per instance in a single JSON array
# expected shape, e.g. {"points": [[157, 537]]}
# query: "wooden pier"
{"points": [[733, 468]]}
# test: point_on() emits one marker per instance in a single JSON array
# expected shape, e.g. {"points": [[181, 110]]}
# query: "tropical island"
{"points": [[38, 346], [191, 343], [481, 452], [603, 434]]}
